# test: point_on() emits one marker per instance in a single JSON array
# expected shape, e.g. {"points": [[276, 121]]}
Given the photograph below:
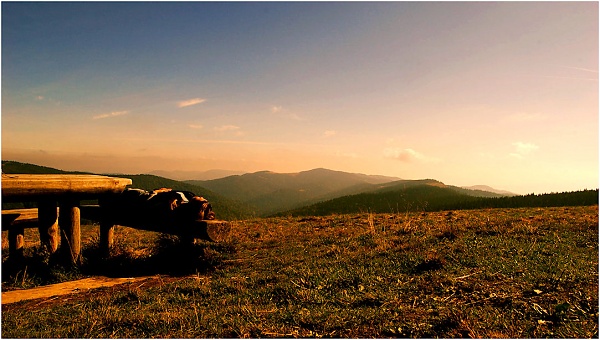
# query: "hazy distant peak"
{"points": [[489, 189], [183, 175]]}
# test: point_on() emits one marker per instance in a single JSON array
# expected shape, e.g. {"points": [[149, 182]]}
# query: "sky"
{"points": [[503, 94]]}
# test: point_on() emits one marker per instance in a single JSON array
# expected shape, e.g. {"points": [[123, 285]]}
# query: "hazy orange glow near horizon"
{"points": [[497, 93]]}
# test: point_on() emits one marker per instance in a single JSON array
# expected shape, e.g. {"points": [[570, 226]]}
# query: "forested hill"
{"points": [[433, 198], [269, 192], [11, 167], [562, 199]]}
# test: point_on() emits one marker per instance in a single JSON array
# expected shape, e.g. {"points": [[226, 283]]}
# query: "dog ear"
{"points": [[199, 199]]}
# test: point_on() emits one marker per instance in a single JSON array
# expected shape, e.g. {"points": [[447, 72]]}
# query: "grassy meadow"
{"points": [[492, 273]]}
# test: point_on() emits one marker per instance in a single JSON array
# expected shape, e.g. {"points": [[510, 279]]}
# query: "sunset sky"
{"points": [[497, 93]]}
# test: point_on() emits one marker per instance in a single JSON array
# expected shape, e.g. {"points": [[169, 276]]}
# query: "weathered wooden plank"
{"points": [[19, 216], [26, 185]]}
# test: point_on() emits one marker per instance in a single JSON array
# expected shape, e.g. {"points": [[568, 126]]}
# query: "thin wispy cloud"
{"points": [[407, 155], [224, 128], [579, 69], [48, 100], [329, 133], [523, 149], [573, 78], [190, 102], [282, 112], [294, 116], [195, 126], [576, 73], [110, 115], [403, 155], [236, 130]]}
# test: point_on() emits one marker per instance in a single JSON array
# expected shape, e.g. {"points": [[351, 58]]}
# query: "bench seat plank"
{"points": [[20, 186], [29, 217]]}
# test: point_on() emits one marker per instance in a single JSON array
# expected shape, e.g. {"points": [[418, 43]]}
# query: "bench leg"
{"points": [[48, 225], [16, 241], [69, 221], [107, 234]]}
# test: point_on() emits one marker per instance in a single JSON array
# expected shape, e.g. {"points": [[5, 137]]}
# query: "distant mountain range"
{"points": [[323, 192], [490, 189], [180, 175], [270, 192]]}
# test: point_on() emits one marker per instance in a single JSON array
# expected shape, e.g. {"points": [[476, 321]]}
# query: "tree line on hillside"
{"points": [[562, 199], [429, 199]]}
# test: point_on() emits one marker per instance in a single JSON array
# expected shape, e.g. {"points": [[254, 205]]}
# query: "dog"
{"points": [[164, 206]]}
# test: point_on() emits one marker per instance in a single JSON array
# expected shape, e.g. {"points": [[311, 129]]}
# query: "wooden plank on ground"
{"points": [[70, 287]]}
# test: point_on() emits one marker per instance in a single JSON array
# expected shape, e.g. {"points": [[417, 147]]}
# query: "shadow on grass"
{"points": [[37, 267], [169, 256]]}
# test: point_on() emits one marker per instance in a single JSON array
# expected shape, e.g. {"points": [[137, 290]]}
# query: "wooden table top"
{"points": [[23, 186]]}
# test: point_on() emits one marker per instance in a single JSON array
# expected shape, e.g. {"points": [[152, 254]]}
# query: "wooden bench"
{"points": [[58, 191], [17, 220]]}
